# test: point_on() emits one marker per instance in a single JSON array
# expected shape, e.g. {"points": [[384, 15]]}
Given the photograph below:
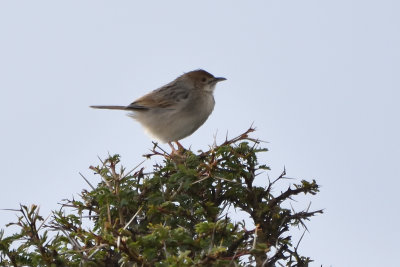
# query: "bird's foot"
{"points": [[177, 152], [180, 147]]}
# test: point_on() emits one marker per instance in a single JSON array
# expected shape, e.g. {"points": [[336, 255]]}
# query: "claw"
{"points": [[180, 147], [177, 152], [174, 151]]}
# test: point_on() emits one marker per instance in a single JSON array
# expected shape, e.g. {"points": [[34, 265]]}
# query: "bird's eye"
{"points": [[203, 80]]}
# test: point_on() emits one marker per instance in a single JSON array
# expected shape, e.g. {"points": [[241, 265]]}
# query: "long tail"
{"points": [[111, 107]]}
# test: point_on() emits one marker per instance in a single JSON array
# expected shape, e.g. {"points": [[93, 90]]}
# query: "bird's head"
{"points": [[202, 80]]}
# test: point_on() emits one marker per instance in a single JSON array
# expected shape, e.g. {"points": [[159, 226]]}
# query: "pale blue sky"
{"points": [[319, 79]]}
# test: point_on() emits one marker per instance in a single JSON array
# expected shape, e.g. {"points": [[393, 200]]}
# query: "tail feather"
{"points": [[110, 107]]}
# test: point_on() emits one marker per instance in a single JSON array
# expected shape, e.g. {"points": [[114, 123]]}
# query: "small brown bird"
{"points": [[176, 110]]}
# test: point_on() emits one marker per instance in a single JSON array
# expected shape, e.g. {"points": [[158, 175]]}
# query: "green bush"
{"points": [[174, 215]]}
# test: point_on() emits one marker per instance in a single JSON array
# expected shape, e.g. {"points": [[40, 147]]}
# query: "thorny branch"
{"points": [[174, 214]]}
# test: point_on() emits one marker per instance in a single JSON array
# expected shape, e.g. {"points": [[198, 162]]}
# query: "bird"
{"points": [[175, 110]]}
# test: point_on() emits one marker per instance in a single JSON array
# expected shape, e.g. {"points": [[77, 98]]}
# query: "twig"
{"points": [[131, 220], [87, 181], [134, 168], [255, 236]]}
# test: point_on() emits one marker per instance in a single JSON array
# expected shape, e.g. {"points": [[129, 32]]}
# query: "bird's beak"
{"points": [[219, 79]]}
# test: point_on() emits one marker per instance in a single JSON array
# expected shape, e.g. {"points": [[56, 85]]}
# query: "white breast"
{"points": [[167, 124]]}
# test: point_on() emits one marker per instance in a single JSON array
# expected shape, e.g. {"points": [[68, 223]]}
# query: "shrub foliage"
{"points": [[179, 214]]}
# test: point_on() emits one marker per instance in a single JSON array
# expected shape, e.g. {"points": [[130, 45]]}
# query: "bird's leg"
{"points": [[180, 147], [176, 154], [174, 151]]}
